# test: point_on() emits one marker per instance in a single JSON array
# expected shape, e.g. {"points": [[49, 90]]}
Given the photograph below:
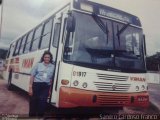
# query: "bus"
{"points": [[98, 51]]}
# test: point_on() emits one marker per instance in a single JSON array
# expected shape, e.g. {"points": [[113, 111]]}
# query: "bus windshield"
{"points": [[104, 44]]}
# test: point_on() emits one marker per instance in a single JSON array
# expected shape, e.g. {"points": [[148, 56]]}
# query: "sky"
{"points": [[21, 15]]}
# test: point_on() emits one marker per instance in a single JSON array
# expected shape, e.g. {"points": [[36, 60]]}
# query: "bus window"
{"points": [[56, 34], [28, 43], [37, 37], [46, 35], [12, 49], [22, 45], [9, 51], [17, 47]]}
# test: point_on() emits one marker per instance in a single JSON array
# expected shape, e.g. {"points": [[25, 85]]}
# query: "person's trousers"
{"points": [[38, 101]]}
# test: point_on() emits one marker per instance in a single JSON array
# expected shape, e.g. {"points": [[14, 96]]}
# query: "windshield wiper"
{"points": [[121, 31], [101, 24]]}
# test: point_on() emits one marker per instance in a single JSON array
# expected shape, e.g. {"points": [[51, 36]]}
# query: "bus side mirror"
{"points": [[70, 23]]}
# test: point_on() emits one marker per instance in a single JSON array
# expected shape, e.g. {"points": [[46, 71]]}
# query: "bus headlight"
{"points": [[137, 88], [143, 87], [75, 83], [84, 85]]}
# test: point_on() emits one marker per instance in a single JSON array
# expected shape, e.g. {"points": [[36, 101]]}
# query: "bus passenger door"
{"points": [[56, 50]]}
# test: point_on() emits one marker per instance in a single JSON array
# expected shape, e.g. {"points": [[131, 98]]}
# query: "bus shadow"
{"points": [[79, 112]]}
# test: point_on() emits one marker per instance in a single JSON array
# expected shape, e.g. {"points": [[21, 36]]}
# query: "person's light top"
{"points": [[43, 72]]}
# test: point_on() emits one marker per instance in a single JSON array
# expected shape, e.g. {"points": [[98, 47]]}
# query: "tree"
{"points": [[3, 53], [153, 62]]}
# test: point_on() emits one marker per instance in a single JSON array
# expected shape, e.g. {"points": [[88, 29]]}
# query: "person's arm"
{"points": [[31, 81], [30, 86], [33, 73], [50, 89]]}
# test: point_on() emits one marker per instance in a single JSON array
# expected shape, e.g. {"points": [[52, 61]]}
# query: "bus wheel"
{"points": [[9, 85]]}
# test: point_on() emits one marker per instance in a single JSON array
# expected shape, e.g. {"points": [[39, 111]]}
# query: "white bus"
{"points": [[98, 52]]}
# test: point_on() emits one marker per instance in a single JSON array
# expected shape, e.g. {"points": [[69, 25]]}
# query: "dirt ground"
{"points": [[12, 102]]}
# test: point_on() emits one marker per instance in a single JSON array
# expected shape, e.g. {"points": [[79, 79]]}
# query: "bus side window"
{"points": [[56, 34], [9, 51], [17, 47], [37, 37], [22, 45], [46, 34], [28, 42]]}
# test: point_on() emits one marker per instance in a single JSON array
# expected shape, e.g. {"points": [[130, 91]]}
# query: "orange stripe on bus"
{"points": [[73, 97], [27, 63], [16, 60]]}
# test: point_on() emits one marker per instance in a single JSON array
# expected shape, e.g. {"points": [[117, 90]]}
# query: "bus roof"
{"points": [[106, 11], [93, 7]]}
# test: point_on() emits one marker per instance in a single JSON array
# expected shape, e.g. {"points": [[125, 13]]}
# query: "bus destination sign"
{"points": [[114, 15], [106, 11]]}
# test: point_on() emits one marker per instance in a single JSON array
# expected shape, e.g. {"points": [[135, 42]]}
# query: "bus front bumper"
{"points": [[73, 97]]}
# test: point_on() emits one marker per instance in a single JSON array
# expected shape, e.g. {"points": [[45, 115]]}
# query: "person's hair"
{"points": [[47, 53]]}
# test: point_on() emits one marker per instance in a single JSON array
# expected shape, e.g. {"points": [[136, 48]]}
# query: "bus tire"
{"points": [[9, 85]]}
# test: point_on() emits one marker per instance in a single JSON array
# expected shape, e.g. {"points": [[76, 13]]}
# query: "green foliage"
{"points": [[3, 54], [153, 62]]}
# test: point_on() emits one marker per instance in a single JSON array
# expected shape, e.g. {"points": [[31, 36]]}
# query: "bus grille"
{"points": [[111, 100], [105, 87], [112, 77]]}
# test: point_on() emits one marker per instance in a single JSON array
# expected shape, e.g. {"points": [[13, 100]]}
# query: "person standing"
{"points": [[39, 86]]}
